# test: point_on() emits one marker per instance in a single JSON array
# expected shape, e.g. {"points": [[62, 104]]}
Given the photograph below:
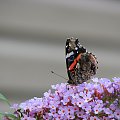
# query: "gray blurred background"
{"points": [[33, 35]]}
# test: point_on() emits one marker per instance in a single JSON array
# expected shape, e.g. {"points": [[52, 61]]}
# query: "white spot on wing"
{"points": [[76, 48], [69, 54]]}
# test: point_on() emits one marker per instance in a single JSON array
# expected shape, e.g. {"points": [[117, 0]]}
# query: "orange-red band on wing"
{"points": [[75, 62]]}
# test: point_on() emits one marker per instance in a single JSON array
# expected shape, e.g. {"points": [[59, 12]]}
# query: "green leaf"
{"points": [[1, 116], [8, 115], [2, 97]]}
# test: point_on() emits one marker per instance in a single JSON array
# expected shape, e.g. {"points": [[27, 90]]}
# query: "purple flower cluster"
{"points": [[96, 100]]}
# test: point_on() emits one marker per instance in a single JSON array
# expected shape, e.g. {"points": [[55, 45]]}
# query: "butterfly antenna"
{"points": [[59, 75]]}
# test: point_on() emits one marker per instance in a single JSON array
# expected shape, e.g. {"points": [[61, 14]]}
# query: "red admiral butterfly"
{"points": [[81, 65]]}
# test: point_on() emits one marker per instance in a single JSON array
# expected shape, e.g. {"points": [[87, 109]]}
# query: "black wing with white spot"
{"points": [[81, 65]]}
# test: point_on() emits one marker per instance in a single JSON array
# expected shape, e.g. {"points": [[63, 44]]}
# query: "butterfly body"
{"points": [[81, 65]]}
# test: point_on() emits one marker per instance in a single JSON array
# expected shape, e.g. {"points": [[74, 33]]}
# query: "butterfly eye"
{"points": [[68, 39]]}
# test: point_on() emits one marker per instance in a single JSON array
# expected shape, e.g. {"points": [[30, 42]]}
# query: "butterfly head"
{"points": [[73, 44]]}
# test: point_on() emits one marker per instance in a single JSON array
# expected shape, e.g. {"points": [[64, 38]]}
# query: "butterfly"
{"points": [[81, 65]]}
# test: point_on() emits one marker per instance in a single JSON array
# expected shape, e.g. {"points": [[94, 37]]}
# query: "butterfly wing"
{"points": [[73, 55]]}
